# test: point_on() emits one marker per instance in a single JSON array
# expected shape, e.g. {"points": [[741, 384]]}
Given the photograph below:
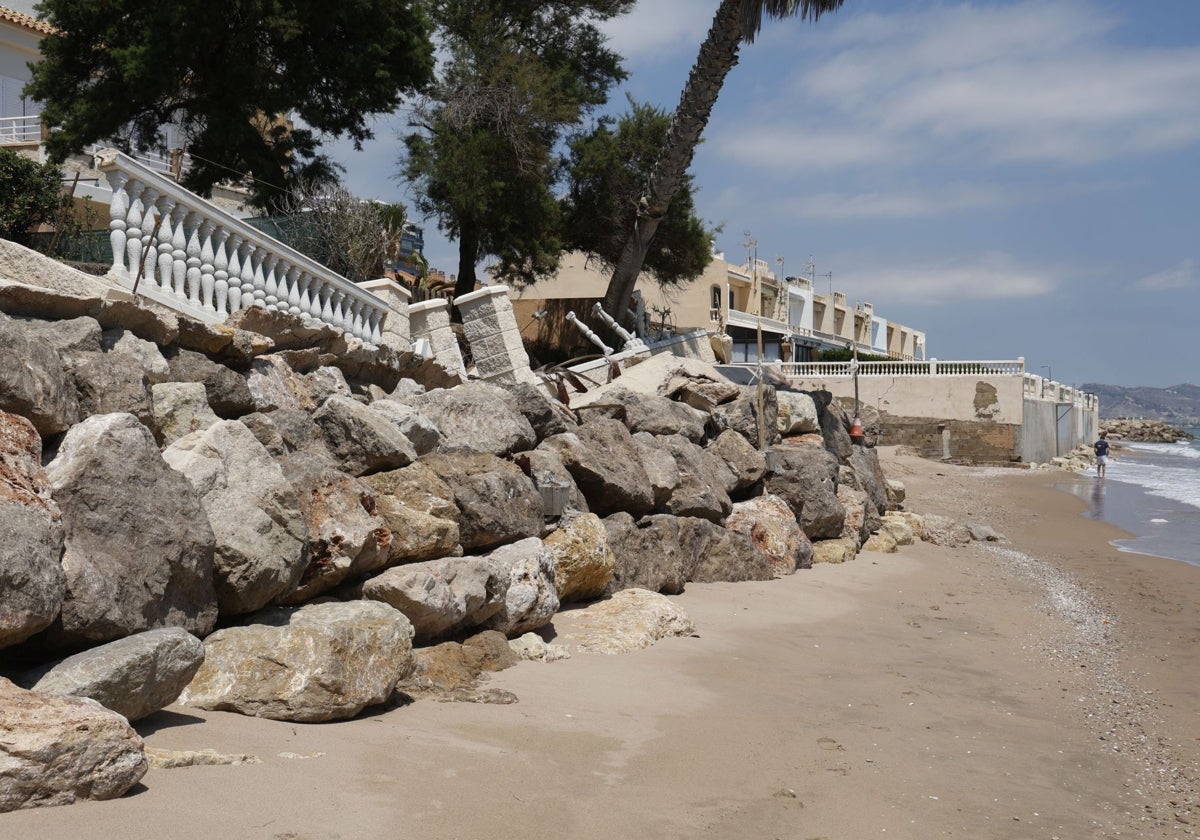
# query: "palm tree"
{"points": [[736, 22]]}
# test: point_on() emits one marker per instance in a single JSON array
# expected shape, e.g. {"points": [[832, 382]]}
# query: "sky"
{"points": [[1016, 179]]}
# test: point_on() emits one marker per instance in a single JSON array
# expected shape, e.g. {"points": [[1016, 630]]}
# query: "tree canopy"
{"points": [[607, 169], [482, 160], [252, 85]]}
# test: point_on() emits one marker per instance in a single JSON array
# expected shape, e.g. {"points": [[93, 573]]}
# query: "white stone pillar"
{"points": [[396, 331], [430, 319], [490, 327]]}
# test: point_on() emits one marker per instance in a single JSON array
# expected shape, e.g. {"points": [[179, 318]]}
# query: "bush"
{"points": [[30, 195], [844, 355]]}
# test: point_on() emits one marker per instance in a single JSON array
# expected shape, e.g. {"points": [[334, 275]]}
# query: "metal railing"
{"points": [[25, 129]]}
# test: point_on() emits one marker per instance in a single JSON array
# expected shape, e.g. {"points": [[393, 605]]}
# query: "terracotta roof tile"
{"points": [[27, 21]]}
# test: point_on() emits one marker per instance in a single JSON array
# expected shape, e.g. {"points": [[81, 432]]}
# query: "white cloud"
{"points": [[1186, 275], [659, 29], [991, 276], [1024, 82], [897, 204]]}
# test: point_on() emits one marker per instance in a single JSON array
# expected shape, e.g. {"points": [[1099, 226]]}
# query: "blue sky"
{"points": [[1014, 178]]}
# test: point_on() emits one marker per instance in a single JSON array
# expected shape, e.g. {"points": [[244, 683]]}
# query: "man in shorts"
{"points": [[1101, 447]]}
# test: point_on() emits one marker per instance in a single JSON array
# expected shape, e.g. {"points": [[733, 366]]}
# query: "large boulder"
{"points": [[662, 553], [32, 583], [497, 502], [135, 676], [857, 525], [841, 550], [477, 416], [869, 477], [583, 562], [138, 549], [180, 408], [419, 509], [441, 597], [145, 353], [69, 336], [228, 394], [703, 482], [742, 415], [602, 458], [552, 479], [346, 536], [805, 476], [38, 388], [58, 750], [835, 425], [944, 531], [770, 524], [546, 416], [317, 663], [420, 430], [642, 412], [530, 600], [631, 619], [363, 441], [107, 383], [274, 384], [260, 536], [746, 465], [797, 413], [454, 671], [660, 467], [288, 430]]}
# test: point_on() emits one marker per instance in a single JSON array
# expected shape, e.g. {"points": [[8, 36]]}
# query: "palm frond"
{"points": [[752, 12]]}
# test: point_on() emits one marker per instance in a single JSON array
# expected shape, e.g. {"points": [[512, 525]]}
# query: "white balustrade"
{"points": [[933, 367], [182, 251]]}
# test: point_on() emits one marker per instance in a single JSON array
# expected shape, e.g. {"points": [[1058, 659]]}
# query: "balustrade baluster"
{"points": [[166, 230], [235, 272], [133, 227], [195, 223], [117, 210], [354, 324], [326, 304], [260, 278], [376, 324], [248, 255], [207, 255], [179, 218], [147, 261], [270, 282], [304, 305], [293, 295], [336, 307], [221, 272]]}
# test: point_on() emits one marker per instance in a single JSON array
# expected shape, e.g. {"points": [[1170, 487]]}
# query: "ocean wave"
{"points": [[1180, 484], [1181, 449]]}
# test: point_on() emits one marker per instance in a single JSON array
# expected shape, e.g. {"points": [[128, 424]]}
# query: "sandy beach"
{"points": [[1047, 687]]}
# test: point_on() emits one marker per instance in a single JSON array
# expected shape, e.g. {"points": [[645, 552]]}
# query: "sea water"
{"points": [[1151, 490]]}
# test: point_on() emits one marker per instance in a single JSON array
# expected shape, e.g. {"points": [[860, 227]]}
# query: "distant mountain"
{"points": [[1178, 405]]}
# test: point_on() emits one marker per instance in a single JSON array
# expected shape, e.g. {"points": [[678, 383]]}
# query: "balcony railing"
{"points": [[183, 251], [25, 129]]}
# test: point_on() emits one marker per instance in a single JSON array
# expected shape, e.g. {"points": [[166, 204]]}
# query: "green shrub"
{"points": [[30, 195]]}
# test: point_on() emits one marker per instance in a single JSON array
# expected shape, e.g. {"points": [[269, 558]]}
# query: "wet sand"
{"points": [[1047, 687]]}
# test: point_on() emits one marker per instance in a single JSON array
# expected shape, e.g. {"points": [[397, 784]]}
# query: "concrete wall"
{"points": [[996, 399], [981, 419]]}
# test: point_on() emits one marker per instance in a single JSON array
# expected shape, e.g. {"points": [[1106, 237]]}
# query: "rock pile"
{"points": [[312, 508], [1147, 431]]}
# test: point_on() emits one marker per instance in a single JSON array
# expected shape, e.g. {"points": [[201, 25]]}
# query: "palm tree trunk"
{"points": [[718, 55]]}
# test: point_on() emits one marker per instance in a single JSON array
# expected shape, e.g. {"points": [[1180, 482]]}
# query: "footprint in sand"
{"points": [[831, 745]]}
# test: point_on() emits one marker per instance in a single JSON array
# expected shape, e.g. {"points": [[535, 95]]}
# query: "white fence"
{"points": [[181, 250], [21, 129]]}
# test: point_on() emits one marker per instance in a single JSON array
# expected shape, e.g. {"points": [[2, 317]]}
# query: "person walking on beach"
{"points": [[1101, 447]]}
